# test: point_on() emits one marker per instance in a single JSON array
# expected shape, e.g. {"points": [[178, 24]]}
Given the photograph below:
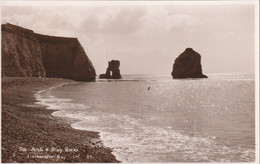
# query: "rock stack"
{"points": [[113, 71], [188, 65]]}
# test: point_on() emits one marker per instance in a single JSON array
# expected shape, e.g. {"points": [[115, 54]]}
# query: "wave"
{"points": [[44, 98], [132, 141]]}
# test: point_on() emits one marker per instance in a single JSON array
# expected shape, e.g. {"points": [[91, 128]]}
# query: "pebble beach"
{"points": [[31, 134]]}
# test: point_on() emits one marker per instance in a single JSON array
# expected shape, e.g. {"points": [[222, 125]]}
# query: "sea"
{"points": [[154, 118]]}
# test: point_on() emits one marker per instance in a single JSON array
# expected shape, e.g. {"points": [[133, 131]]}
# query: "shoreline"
{"points": [[70, 120], [30, 133]]}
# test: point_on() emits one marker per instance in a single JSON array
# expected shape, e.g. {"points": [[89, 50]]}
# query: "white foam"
{"points": [[133, 141], [38, 94], [63, 104]]}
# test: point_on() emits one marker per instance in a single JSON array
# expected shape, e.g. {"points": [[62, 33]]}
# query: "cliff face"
{"points": [[21, 53], [65, 57], [27, 54], [188, 65]]}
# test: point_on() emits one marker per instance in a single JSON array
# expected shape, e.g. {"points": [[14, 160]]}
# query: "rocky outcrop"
{"points": [[27, 54], [113, 67], [188, 65]]}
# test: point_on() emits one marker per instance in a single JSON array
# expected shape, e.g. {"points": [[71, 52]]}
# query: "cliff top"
{"points": [[48, 38], [11, 27], [8, 26]]}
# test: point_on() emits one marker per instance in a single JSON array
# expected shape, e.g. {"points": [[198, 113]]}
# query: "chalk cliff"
{"points": [[66, 58], [188, 65], [27, 54], [21, 53]]}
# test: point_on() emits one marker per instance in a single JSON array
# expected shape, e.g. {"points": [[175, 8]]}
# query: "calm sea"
{"points": [[154, 118]]}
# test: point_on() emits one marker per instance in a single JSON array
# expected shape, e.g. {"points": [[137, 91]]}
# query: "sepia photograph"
{"points": [[130, 81]]}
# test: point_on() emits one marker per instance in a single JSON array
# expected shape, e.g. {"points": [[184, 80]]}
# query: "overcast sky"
{"points": [[147, 38]]}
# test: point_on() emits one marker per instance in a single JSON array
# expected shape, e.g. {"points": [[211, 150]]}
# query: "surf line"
{"points": [[39, 98]]}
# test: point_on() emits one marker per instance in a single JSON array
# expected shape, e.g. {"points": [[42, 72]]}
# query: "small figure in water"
{"points": [[148, 88]]}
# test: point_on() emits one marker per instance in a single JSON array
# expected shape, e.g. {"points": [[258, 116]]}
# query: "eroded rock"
{"points": [[188, 65], [113, 71]]}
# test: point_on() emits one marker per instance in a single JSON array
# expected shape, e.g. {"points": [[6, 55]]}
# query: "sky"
{"points": [[147, 37]]}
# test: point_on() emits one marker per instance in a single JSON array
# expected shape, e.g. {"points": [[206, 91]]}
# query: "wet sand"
{"points": [[31, 134]]}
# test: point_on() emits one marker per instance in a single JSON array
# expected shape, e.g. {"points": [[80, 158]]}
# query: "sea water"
{"points": [[154, 118]]}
